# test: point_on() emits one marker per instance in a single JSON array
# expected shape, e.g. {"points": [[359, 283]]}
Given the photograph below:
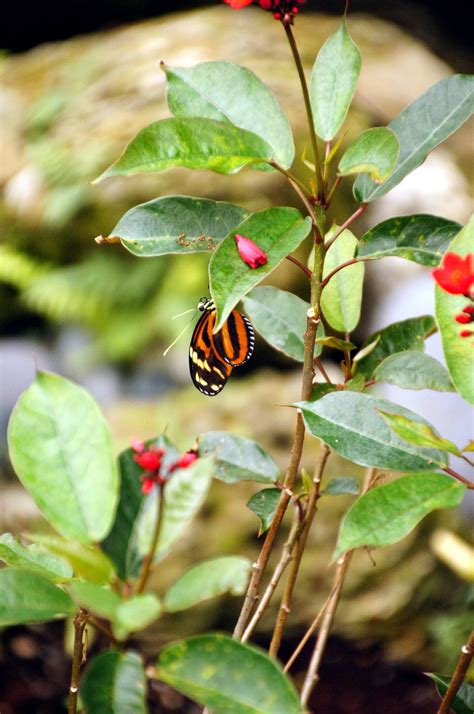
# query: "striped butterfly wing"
{"points": [[209, 371], [236, 340]]}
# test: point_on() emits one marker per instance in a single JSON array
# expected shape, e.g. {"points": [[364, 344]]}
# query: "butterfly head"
{"points": [[204, 304]]}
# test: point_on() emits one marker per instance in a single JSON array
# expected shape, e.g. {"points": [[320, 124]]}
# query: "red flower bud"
{"points": [[147, 485], [138, 446], [148, 460], [186, 460], [250, 252], [238, 4], [462, 318], [456, 274]]}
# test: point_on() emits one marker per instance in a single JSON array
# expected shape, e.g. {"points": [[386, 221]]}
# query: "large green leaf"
{"points": [[120, 544], [177, 224], [184, 495], [400, 336], [26, 596], [333, 81], [237, 458], [374, 152], [350, 423], [280, 318], [421, 238], [458, 351], [87, 561], [114, 683], [61, 450], [386, 514], [420, 127], [264, 504], [208, 579], [193, 143], [414, 370], [126, 615], [227, 676], [277, 231], [418, 434], [341, 299], [230, 93], [34, 558], [463, 702]]}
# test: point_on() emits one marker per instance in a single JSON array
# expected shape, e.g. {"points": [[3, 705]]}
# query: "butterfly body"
{"points": [[212, 357]]}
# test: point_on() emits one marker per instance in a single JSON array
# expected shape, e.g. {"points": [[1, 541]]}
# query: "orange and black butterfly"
{"points": [[213, 357]]}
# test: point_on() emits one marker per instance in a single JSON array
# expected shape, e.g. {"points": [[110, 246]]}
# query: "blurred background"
{"points": [[78, 80]]}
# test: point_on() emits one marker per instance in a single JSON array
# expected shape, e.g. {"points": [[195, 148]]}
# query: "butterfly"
{"points": [[213, 357]]}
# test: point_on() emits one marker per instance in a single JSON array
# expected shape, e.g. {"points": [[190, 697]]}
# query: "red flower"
{"points": [[456, 274], [150, 461], [286, 9], [148, 484], [186, 460], [238, 4], [250, 252]]}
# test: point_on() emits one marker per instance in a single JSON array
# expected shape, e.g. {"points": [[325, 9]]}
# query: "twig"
{"points": [[346, 224], [308, 633], [275, 579], [467, 653], [319, 365], [333, 190], [330, 275], [147, 563], [311, 508], [80, 621], [455, 474], [298, 187], [300, 265], [330, 611], [104, 240]]}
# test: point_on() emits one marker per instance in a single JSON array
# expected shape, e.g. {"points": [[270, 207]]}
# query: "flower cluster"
{"points": [[250, 252], [456, 276], [151, 461], [281, 9]]}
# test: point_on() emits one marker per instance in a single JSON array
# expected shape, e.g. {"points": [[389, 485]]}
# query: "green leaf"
{"points": [[227, 676], [208, 579], [34, 558], [421, 238], [356, 384], [414, 370], [87, 561], [237, 458], [350, 423], [277, 231], [458, 351], [114, 683], [341, 299], [263, 504], [342, 485], [120, 544], [333, 82], [463, 702], [230, 93], [420, 127], [194, 143], [184, 495], [374, 152], [26, 596], [61, 450], [320, 389], [364, 351], [400, 336], [418, 434], [177, 224], [386, 514], [280, 318], [336, 343], [125, 616], [469, 447]]}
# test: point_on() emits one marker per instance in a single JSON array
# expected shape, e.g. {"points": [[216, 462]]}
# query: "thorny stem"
{"points": [[311, 508], [275, 579], [147, 563], [300, 265], [307, 102], [457, 476], [346, 224], [80, 622], [467, 653], [311, 678]]}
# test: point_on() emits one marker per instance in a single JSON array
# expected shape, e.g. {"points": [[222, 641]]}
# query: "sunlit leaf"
{"points": [[341, 299], [26, 596], [34, 558], [418, 434], [414, 370], [87, 561], [374, 152]]}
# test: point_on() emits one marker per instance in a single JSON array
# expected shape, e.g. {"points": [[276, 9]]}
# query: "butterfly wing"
{"points": [[209, 371], [236, 340]]}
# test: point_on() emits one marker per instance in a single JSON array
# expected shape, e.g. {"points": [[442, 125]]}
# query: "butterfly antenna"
{"points": [[186, 312], [180, 334]]}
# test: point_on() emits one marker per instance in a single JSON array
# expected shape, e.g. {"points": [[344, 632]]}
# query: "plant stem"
{"points": [[330, 275], [298, 187], [311, 508], [320, 366], [457, 476], [467, 653], [333, 190], [309, 112], [147, 563], [330, 611], [308, 633], [275, 579], [346, 224], [80, 621], [300, 265]]}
